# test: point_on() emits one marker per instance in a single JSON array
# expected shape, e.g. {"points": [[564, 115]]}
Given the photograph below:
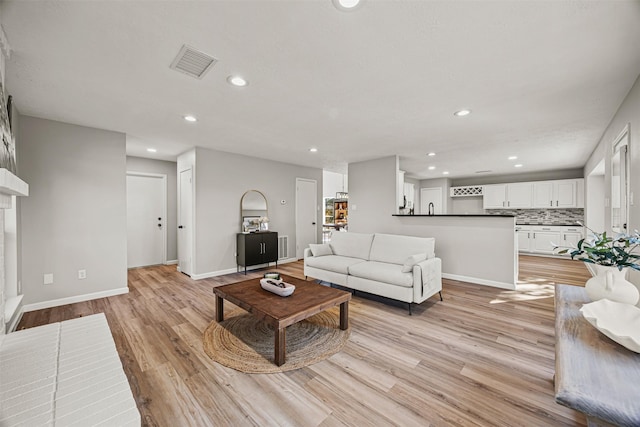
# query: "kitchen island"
{"points": [[474, 248]]}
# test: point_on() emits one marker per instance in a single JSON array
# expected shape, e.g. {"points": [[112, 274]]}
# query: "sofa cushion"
{"points": [[335, 263], [382, 272], [408, 264], [354, 245], [396, 249], [320, 250]]}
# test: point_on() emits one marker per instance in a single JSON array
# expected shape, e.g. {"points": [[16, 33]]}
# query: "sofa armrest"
{"points": [[307, 253], [427, 279]]}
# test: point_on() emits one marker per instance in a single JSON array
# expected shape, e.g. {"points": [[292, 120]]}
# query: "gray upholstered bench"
{"points": [[594, 375]]}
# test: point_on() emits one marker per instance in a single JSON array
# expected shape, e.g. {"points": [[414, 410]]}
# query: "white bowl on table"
{"points": [[271, 285]]}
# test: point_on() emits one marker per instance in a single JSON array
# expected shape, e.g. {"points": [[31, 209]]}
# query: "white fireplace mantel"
{"points": [[10, 185]]}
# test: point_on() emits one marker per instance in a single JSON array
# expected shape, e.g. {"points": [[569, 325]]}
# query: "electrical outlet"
{"points": [[82, 274], [48, 279]]}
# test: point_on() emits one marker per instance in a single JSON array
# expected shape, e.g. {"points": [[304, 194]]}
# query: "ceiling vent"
{"points": [[193, 62]]}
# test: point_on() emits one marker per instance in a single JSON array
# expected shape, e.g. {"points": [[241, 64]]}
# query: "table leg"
{"points": [[280, 346], [219, 309], [344, 315]]}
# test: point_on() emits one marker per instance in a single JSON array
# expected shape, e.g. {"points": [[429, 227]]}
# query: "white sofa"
{"points": [[403, 268]]}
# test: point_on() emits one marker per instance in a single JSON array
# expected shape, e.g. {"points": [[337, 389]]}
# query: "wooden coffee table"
{"points": [[308, 299]]}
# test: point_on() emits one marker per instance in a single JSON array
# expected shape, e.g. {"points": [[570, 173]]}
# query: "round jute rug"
{"points": [[245, 343]]}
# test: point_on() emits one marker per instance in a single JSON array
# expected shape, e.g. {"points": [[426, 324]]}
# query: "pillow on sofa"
{"points": [[320, 250], [407, 267]]}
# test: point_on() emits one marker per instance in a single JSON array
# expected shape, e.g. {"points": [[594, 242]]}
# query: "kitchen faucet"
{"points": [[431, 209]]}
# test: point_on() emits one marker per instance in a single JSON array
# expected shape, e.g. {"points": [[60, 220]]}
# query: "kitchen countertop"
{"points": [[557, 224], [458, 215]]}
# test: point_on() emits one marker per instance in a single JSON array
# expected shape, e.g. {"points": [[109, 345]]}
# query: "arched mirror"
{"points": [[253, 211]]}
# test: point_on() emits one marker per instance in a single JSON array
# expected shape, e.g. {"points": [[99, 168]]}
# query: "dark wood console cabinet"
{"points": [[256, 248]]}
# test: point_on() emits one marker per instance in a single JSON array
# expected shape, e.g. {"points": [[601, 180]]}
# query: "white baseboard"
{"points": [[502, 285], [73, 299], [235, 270], [171, 262], [213, 274]]}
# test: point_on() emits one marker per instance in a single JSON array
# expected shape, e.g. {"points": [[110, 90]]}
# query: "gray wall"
{"points": [[221, 180], [75, 215], [139, 164], [461, 243], [627, 114], [372, 194]]}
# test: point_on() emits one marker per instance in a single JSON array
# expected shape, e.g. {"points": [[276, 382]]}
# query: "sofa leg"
{"points": [[440, 292], [410, 314]]}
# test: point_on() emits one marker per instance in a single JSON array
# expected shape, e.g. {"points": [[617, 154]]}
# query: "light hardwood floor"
{"points": [[481, 357]]}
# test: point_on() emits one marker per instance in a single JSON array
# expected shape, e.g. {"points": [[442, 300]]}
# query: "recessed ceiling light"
{"points": [[517, 166], [445, 173], [431, 168], [237, 81], [151, 150], [190, 119], [512, 157], [313, 150], [346, 5], [462, 113], [431, 154]]}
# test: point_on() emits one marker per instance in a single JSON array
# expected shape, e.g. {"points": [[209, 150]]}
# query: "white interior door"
{"points": [[146, 219], [306, 214], [431, 195], [185, 222]]}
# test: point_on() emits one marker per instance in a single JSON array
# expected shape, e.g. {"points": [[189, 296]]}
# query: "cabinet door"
{"points": [[519, 195], [270, 247], [252, 249], [542, 241], [543, 194], [565, 194], [400, 188], [571, 239], [494, 196], [524, 241], [409, 192]]}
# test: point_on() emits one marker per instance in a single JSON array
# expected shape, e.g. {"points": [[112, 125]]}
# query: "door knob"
{"points": [[313, 223], [180, 226]]}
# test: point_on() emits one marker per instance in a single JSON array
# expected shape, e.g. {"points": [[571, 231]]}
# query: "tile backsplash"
{"points": [[544, 216]]}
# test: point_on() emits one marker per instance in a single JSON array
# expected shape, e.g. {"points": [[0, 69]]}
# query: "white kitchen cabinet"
{"points": [[409, 192], [494, 196], [519, 195], [538, 239], [524, 238], [507, 196], [555, 194], [571, 236], [543, 238], [566, 194], [571, 239], [400, 189]]}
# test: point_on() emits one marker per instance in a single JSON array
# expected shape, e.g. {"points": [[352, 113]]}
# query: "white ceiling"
{"points": [[543, 78]]}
